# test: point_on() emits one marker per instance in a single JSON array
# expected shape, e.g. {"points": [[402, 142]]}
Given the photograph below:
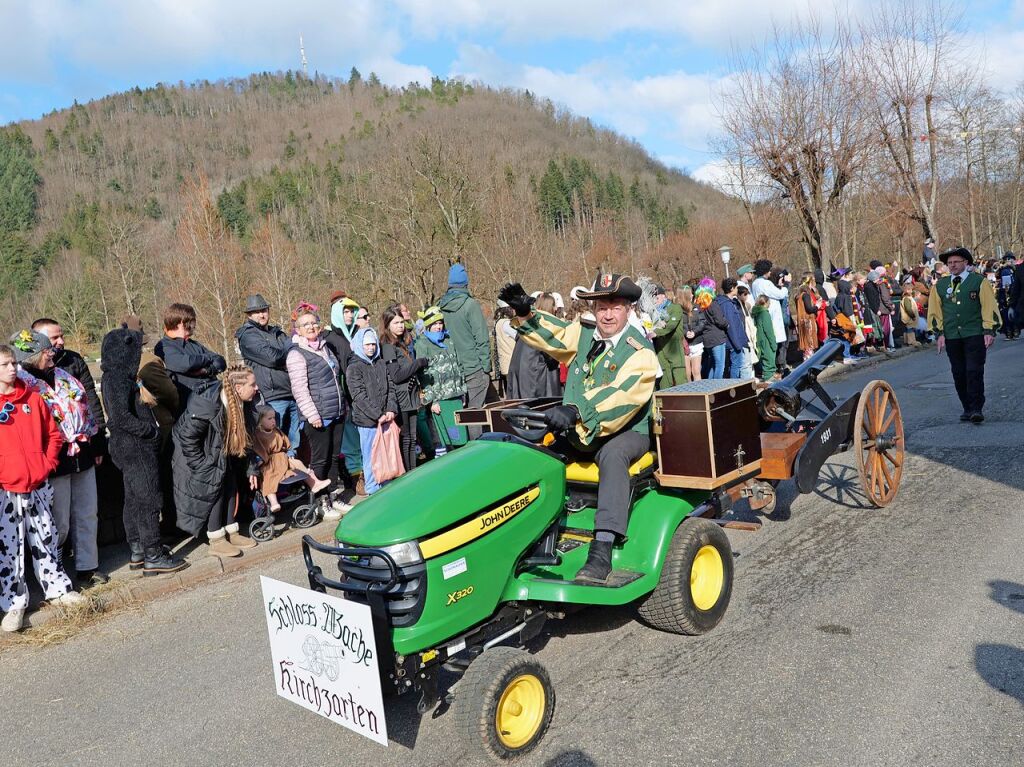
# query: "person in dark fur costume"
{"points": [[134, 446]]}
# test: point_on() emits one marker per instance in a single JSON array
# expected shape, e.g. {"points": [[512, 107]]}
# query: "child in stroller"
{"points": [[271, 445]]}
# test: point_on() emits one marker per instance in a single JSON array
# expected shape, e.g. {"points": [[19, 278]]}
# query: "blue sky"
{"points": [[647, 68]]}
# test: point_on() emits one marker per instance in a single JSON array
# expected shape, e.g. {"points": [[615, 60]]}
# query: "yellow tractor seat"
{"points": [[586, 471]]}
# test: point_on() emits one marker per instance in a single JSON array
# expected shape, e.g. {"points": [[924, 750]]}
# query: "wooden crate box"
{"points": [[708, 433]]}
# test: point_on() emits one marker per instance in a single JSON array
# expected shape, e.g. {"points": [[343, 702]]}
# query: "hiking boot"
{"points": [[137, 557], [977, 417], [160, 561], [965, 416], [240, 541], [14, 620], [360, 487], [599, 563], [221, 547]]}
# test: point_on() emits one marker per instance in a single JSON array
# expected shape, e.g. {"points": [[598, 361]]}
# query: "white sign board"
{"points": [[325, 657]]}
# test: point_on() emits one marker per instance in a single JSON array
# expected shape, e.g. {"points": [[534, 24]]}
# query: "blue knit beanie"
{"points": [[457, 277]]}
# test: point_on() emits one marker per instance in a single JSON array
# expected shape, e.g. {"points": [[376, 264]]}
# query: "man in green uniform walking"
{"points": [[668, 342], [963, 314]]}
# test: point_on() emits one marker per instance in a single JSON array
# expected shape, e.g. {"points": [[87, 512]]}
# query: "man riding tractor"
{"points": [[612, 370]]}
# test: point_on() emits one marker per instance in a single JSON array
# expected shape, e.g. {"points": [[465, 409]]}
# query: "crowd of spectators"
{"points": [[314, 397]]}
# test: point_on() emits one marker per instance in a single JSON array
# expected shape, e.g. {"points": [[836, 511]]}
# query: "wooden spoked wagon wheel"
{"points": [[878, 439]]}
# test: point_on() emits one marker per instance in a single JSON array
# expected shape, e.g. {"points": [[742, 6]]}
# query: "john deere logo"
{"points": [[509, 509], [478, 525]]}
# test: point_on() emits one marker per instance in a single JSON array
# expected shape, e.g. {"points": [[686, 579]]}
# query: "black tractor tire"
{"points": [[672, 606], [482, 691]]}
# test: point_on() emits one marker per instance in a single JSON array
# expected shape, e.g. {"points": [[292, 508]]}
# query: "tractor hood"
{"points": [[449, 490]]}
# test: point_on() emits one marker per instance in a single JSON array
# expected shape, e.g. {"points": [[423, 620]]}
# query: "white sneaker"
{"points": [[71, 599], [14, 620]]}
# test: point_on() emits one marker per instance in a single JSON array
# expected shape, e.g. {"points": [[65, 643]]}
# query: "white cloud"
{"points": [[168, 39], [713, 22], [677, 105]]}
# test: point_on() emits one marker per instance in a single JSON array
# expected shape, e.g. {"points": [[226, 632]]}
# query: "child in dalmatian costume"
{"points": [[30, 443]]}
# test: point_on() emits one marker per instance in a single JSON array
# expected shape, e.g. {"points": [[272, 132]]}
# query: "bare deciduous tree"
{"points": [[795, 113]]}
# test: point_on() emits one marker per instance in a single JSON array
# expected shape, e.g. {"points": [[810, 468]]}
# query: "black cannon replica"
{"points": [[806, 426]]}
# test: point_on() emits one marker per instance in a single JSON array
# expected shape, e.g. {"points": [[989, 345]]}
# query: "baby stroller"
{"points": [[293, 493]]}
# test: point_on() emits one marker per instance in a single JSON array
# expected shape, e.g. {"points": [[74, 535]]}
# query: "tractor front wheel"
{"points": [[504, 703], [696, 581]]}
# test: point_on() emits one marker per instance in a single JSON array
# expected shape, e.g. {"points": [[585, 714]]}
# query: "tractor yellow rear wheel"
{"points": [[504, 703], [696, 580]]}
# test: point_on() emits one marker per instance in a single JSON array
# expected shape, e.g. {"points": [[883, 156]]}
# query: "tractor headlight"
{"points": [[407, 553]]}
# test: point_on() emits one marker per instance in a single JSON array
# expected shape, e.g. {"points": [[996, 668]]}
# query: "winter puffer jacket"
{"points": [[314, 379], [402, 368], [30, 440], [199, 463], [467, 328], [717, 325], [736, 326], [189, 364], [373, 392], [265, 349]]}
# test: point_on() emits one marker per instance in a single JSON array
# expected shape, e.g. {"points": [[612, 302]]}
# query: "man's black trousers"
{"points": [[967, 361], [614, 457]]}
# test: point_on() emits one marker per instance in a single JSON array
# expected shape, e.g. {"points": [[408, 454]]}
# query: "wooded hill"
{"points": [[295, 187]]}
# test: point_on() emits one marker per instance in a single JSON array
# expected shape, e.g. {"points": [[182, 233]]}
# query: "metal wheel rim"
{"points": [[879, 441], [304, 516], [262, 529], [707, 575], [520, 711]]}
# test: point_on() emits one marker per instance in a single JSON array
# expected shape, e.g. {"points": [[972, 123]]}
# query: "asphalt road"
{"points": [[854, 637]]}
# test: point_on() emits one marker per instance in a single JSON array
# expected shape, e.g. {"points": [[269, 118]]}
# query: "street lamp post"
{"points": [[726, 253]]}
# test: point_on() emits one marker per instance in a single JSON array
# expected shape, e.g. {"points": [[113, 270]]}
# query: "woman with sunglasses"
{"points": [[314, 372], [30, 444]]}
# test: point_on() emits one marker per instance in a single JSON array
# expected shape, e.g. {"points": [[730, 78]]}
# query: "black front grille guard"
{"points": [[373, 591], [372, 587]]}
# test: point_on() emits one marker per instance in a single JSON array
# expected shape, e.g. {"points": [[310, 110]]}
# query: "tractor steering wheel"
{"points": [[531, 425]]}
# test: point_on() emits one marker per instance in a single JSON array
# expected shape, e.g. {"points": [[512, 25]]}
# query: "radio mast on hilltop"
{"points": [[302, 53]]}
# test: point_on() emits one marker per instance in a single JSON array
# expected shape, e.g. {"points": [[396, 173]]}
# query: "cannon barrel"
{"points": [[784, 396]]}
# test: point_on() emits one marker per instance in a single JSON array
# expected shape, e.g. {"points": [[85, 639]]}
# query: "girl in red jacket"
{"points": [[30, 443]]}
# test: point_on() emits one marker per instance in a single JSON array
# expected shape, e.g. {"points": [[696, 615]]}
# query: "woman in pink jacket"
{"points": [[315, 376]]}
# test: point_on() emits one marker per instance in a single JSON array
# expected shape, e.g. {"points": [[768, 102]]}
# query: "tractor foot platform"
{"points": [[616, 579]]}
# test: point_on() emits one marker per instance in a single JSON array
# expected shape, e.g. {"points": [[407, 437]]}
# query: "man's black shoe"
{"points": [[138, 556], [977, 417], [599, 563], [965, 416], [159, 561]]}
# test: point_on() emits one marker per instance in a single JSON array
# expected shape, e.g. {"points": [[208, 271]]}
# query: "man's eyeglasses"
{"points": [[5, 412]]}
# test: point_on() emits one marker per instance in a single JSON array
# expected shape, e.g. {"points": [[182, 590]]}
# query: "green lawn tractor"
{"points": [[463, 560]]}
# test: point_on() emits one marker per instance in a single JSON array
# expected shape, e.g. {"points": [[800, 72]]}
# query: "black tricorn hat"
{"points": [[960, 251], [612, 286], [256, 303]]}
